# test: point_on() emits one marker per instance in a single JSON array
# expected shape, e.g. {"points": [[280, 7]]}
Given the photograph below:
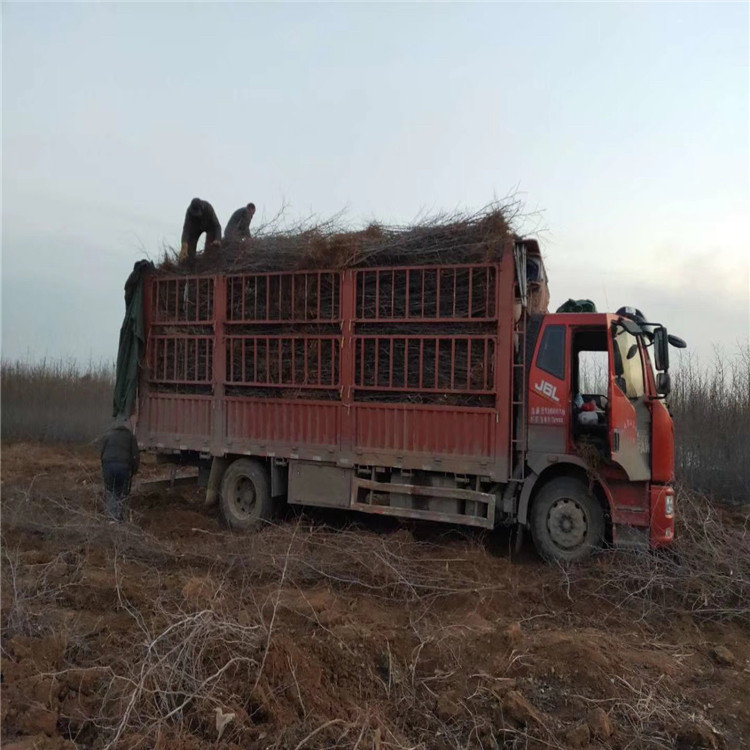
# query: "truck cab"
{"points": [[597, 417]]}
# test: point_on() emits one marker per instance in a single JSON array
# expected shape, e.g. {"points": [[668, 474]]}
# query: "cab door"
{"points": [[549, 392], [630, 418]]}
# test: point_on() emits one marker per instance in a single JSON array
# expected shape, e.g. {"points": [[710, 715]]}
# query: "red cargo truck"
{"points": [[443, 393]]}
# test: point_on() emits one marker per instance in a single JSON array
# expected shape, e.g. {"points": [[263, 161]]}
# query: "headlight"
{"points": [[669, 505]]}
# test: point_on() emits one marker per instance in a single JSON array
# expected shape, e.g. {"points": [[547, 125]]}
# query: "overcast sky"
{"points": [[625, 125]]}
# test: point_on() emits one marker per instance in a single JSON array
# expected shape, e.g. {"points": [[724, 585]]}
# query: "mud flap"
{"points": [[218, 466], [631, 537]]}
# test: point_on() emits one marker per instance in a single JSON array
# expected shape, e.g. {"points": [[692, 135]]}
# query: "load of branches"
{"points": [[284, 309], [442, 239]]}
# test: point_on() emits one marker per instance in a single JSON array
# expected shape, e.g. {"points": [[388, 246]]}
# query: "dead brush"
{"points": [[393, 566], [181, 671], [456, 237], [76, 517], [187, 663], [242, 642], [33, 589], [706, 573]]}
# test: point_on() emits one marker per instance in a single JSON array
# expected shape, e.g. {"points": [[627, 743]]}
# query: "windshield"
{"points": [[628, 364]]}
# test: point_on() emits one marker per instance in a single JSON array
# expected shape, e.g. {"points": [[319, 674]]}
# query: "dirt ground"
{"points": [[326, 631]]}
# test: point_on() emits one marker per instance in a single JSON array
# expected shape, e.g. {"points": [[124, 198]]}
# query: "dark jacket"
{"points": [[120, 447], [238, 226], [200, 217]]}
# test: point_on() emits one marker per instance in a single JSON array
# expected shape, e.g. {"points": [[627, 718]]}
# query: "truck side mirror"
{"points": [[661, 349], [677, 342], [663, 384]]}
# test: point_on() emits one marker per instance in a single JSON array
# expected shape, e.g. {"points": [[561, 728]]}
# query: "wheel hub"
{"points": [[244, 496], [567, 524]]}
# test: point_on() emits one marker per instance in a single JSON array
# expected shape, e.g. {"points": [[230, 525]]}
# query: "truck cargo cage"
{"points": [[412, 335]]}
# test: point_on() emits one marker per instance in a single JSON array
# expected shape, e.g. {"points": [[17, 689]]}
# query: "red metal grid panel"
{"points": [[182, 300], [291, 423], [427, 364], [182, 359], [293, 360], [431, 430], [177, 414], [299, 297], [426, 294]]}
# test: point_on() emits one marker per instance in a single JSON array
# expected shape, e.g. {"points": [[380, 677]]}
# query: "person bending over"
{"points": [[199, 218]]}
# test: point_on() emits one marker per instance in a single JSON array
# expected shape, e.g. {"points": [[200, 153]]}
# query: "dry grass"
{"points": [[55, 401], [711, 408]]}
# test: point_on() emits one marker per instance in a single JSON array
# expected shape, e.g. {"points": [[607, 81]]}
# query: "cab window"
{"points": [[628, 364], [551, 357]]}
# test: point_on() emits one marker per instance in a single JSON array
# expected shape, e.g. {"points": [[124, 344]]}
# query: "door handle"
{"points": [[615, 441]]}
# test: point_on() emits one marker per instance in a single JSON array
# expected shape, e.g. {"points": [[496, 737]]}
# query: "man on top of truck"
{"points": [[199, 218], [238, 226]]}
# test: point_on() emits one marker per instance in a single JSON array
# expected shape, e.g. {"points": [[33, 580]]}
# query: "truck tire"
{"points": [[567, 521], [246, 495]]}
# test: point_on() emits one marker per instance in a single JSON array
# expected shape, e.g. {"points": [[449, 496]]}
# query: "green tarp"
{"points": [[132, 342], [577, 305]]}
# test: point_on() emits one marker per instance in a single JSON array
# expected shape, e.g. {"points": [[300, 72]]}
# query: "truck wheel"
{"points": [[246, 495], [567, 522]]}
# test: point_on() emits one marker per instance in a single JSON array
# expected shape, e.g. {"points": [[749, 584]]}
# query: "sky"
{"points": [[624, 128]]}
